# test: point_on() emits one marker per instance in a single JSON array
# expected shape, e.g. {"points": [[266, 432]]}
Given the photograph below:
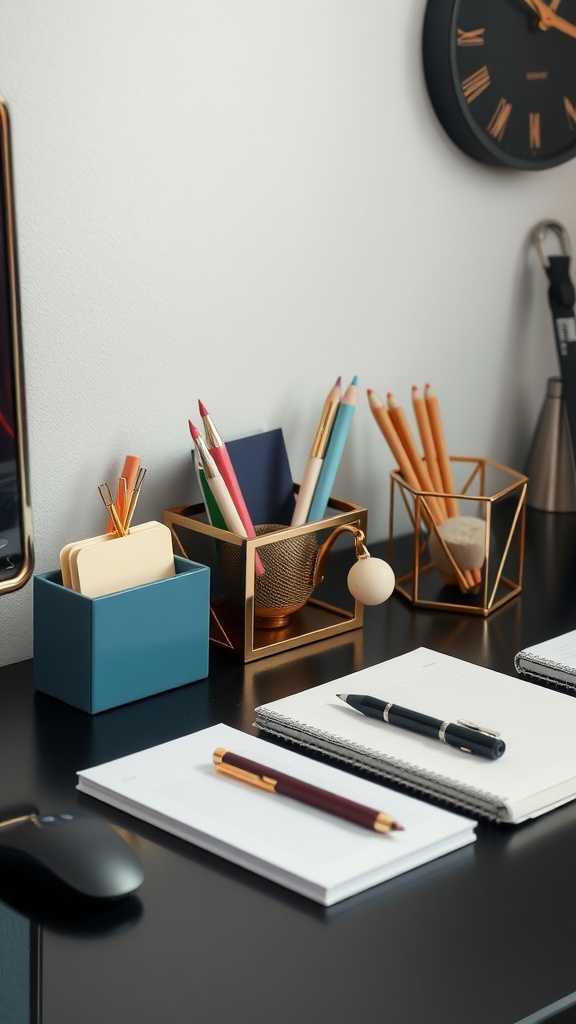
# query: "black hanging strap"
{"points": [[562, 299]]}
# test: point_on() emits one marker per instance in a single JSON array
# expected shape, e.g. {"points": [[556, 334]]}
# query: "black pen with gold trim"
{"points": [[245, 770], [465, 736]]}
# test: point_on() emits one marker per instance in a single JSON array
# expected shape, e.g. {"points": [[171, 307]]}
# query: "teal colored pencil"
{"points": [[340, 431]]}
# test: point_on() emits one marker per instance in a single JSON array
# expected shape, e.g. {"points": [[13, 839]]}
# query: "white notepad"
{"points": [[536, 773], [177, 787], [552, 662]]}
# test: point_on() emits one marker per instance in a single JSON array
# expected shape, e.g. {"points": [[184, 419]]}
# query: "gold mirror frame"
{"points": [[16, 538]]}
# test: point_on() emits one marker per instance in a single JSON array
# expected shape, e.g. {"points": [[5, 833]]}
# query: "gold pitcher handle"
{"points": [[324, 550]]}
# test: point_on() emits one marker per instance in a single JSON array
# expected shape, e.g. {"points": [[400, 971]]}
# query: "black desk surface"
{"points": [[484, 934]]}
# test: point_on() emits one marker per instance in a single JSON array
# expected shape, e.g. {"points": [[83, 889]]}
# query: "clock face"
{"points": [[501, 75]]}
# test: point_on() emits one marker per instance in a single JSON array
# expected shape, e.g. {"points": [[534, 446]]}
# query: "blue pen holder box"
{"points": [[99, 653]]}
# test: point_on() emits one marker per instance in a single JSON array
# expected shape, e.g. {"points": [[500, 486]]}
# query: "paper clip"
{"points": [[106, 495], [121, 515], [133, 499]]}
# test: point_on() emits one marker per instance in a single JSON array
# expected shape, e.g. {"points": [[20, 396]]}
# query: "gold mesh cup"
{"points": [[286, 583]]}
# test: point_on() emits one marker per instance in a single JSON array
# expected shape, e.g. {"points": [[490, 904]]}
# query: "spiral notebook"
{"points": [[523, 783], [176, 787], [551, 663]]}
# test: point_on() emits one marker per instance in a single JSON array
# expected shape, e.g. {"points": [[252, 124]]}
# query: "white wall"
{"points": [[239, 200]]}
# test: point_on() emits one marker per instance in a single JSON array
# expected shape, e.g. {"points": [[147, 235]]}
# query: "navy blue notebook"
{"points": [[263, 471]]}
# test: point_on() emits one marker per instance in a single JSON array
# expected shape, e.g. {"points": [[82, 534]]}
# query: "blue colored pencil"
{"points": [[340, 431]]}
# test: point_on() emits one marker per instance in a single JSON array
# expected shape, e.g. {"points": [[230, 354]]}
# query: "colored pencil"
{"points": [[215, 445], [399, 420], [444, 464], [331, 460], [217, 485], [317, 453], [437, 429], [428, 446], [215, 517], [387, 428], [432, 513]]}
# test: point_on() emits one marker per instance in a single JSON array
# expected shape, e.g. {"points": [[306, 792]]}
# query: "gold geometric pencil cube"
{"points": [[249, 619], [487, 492]]}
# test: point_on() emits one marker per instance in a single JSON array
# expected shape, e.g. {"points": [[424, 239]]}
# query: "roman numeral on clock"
{"points": [[570, 112], [475, 37], [499, 120], [475, 84]]}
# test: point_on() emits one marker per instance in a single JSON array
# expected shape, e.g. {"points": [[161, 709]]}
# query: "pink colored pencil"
{"points": [[219, 453]]}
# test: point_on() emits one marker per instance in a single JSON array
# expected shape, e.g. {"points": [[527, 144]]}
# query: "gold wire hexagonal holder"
{"points": [[487, 490]]}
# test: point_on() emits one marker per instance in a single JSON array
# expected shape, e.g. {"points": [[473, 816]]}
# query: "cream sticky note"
{"points": [[143, 556], [69, 549]]}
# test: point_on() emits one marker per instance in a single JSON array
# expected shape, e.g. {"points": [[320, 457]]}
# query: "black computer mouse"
{"points": [[72, 850]]}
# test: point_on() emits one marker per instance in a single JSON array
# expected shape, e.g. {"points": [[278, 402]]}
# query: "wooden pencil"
{"points": [[437, 429], [428, 446], [382, 416], [388, 428], [400, 422], [435, 419]]}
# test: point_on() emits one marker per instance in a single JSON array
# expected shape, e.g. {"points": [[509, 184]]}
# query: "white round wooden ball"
{"points": [[371, 580], [464, 538]]}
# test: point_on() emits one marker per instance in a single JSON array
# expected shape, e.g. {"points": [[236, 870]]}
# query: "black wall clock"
{"points": [[501, 75]]}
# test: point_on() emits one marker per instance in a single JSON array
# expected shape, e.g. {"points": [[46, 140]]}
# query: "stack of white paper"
{"points": [[177, 787]]}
